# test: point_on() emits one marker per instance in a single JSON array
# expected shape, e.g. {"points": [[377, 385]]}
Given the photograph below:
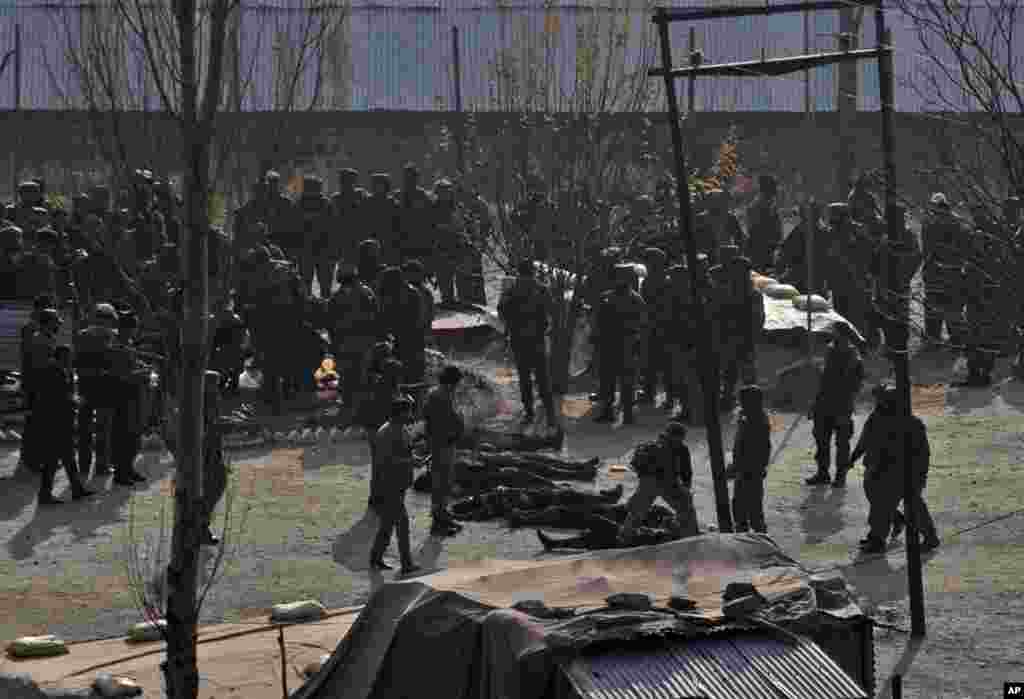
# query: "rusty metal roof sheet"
{"points": [[748, 666]]}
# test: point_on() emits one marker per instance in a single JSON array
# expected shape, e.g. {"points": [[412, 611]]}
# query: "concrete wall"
{"points": [[63, 146]]}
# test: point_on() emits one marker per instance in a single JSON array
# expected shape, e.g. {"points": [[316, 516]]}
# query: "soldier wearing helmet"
{"points": [[93, 362], [945, 240]]}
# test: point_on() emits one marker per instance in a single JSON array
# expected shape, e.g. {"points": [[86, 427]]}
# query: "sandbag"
{"points": [[37, 647], [817, 303], [781, 291], [147, 631], [306, 610]]}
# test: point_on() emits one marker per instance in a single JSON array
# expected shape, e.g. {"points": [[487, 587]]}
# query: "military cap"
{"points": [[451, 375], [675, 430], [29, 185]]}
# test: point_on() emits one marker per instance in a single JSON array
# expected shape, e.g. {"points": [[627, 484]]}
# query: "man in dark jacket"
{"points": [[349, 216], [656, 294], [681, 345], [414, 211], [282, 217], [526, 310], [833, 407], [621, 320], [393, 466], [740, 316], [401, 317], [903, 258], [383, 218], [665, 469], [353, 316], [945, 241], [445, 427], [765, 228], [317, 256], [751, 454], [93, 363]]}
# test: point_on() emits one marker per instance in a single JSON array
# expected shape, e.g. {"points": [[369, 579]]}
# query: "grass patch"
{"points": [[295, 579], [979, 569], [469, 552]]}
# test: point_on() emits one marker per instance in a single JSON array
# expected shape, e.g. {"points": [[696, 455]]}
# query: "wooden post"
{"points": [[709, 372], [809, 252]]}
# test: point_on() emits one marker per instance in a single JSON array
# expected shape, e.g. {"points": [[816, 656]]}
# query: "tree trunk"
{"points": [[563, 332], [181, 670]]}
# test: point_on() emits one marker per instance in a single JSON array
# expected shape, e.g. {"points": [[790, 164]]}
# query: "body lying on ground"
{"points": [[503, 502], [604, 534]]}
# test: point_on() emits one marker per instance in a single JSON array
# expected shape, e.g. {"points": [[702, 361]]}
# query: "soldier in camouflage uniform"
{"points": [[621, 320], [945, 240], [655, 292]]}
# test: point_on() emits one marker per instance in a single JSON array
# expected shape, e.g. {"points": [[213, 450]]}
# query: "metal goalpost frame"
{"points": [[709, 371]]}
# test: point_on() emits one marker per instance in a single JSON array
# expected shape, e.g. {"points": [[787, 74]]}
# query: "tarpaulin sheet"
{"points": [[454, 319], [781, 316], [506, 654]]}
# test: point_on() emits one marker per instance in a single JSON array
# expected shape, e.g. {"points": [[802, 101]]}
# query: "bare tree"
{"points": [[970, 72], [102, 68], [552, 189]]}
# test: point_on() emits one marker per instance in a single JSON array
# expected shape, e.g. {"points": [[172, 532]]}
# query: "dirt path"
{"points": [[62, 570]]}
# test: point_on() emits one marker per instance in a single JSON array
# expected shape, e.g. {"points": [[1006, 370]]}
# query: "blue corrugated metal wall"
{"points": [[396, 54]]}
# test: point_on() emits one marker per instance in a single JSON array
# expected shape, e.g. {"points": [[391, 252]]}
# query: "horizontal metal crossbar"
{"points": [[698, 13], [773, 66]]}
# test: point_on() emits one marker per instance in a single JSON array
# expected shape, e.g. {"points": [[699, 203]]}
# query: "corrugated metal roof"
{"points": [[749, 666]]}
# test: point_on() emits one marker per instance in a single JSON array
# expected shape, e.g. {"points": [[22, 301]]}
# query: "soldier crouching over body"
{"points": [[665, 469]]}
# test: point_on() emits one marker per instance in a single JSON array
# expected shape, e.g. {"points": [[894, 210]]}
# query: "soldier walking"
{"points": [[833, 408], [751, 454], [445, 427], [945, 241], [353, 319], [526, 310], [621, 319]]}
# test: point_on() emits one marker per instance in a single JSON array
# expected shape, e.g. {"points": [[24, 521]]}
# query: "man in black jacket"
{"points": [[526, 310], [833, 407]]}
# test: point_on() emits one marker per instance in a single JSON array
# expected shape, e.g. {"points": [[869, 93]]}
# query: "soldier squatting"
{"points": [[112, 267]]}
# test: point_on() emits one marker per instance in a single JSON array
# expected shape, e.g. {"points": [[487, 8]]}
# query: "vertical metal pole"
{"points": [[708, 373], [807, 73], [17, 66], [457, 75], [846, 103], [901, 360], [691, 99], [809, 252]]}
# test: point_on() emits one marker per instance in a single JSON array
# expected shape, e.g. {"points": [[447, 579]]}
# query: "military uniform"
{"points": [[765, 227], [52, 386], [849, 268], [282, 218], [369, 263], [393, 466], [348, 212], [751, 454], [945, 241], [664, 469], [317, 255], [129, 378], [414, 208], [681, 346], [93, 363], [215, 468], [833, 410], [986, 313], [383, 218], [656, 292], [444, 428], [353, 314], [450, 248], [526, 310], [621, 320], [401, 316], [739, 319]]}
